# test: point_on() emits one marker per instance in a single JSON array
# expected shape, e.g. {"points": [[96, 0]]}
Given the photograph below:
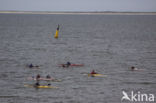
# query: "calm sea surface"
{"points": [[110, 44]]}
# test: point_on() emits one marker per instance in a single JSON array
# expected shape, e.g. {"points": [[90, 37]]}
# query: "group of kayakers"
{"points": [[37, 77], [38, 80], [68, 64]]}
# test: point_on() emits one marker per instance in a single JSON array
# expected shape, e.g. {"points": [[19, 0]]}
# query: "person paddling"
{"points": [[63, 65], [93, 72], [38, 77], [36, 84], [68, 64], [31, 66], [48, 76], [134, 68]]}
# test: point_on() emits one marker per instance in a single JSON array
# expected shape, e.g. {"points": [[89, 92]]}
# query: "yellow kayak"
{"points": [[42, 86], [96, 75]]}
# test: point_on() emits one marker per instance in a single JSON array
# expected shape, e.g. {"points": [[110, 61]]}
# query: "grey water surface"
{"points": [[109, 44]]}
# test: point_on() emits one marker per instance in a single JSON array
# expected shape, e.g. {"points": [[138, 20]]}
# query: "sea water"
{"points": [[109, 44]]}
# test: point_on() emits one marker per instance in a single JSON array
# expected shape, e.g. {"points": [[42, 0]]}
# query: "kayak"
{"points": [[45, 79], [77, 65], [42, 86], [95, 75], [65, 65], [33, 67]]}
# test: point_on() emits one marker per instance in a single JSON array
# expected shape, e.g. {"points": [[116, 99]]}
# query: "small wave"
{"points": [[8, 96], [146, 83]]}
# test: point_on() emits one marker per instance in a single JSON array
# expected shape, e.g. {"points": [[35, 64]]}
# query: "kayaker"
{"points": [[93, 72], [36, 84], [38, 77], [68, 64], [31, 66], [134, 68], [48, 76], [63, 65]]}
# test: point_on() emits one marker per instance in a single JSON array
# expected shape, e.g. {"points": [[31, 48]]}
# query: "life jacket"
{"points": [[93, 72]]}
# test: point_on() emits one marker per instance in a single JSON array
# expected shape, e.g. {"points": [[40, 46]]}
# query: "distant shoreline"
{"points": [[78, 13]]}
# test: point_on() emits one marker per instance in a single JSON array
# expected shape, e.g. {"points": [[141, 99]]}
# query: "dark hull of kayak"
{"points": [[76, 65]]}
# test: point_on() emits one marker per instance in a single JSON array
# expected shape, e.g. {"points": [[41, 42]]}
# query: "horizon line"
{"points": [[76, 12]]}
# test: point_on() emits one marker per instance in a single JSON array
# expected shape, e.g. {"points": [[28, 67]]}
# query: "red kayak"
{"points": [[76, 65]]}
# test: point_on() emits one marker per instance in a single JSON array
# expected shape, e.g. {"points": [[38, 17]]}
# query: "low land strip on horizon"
{"points": [[79, 12]]}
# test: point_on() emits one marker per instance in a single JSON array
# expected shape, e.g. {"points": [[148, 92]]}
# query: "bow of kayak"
{"points": [[77, 65]]}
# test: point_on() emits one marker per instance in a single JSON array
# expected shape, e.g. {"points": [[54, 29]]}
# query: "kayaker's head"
{"points": [[38, 76], [30, 65], [37, 84], [68, 63], [132, 68]]}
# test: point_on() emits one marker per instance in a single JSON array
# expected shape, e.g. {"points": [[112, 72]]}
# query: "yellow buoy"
{"points": [[57, 31]]}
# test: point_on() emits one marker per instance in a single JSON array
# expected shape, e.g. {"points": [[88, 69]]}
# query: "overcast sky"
{"points": [[79, 5]]}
